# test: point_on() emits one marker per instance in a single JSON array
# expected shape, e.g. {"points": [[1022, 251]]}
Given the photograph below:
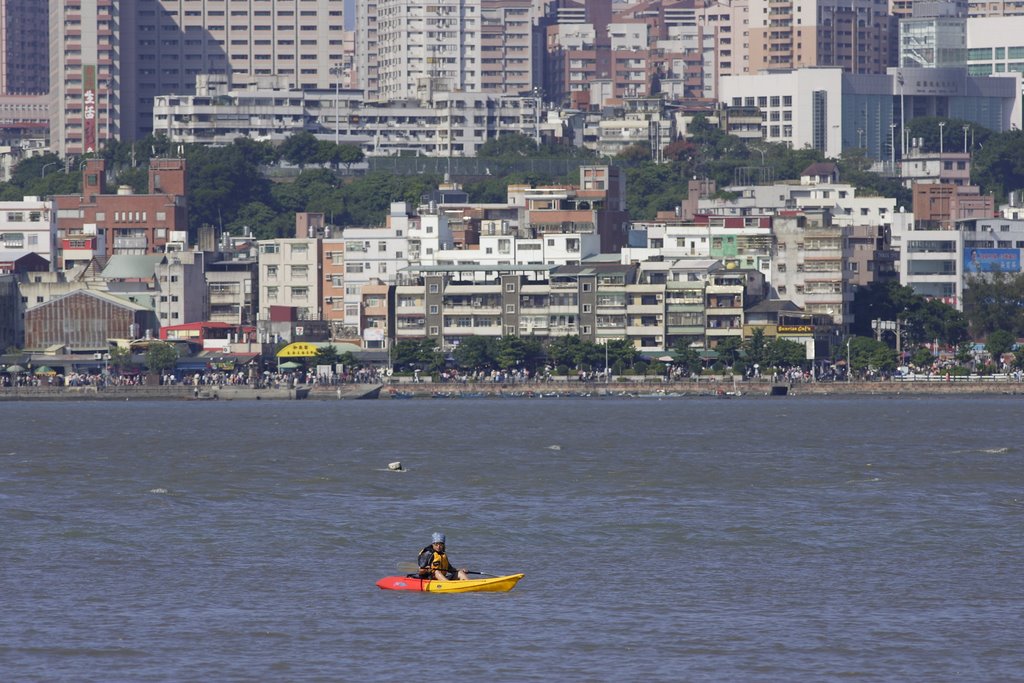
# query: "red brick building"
{"points": [[130, 223]]}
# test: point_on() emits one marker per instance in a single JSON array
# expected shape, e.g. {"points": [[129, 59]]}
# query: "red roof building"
{"points": [[131, 224]]}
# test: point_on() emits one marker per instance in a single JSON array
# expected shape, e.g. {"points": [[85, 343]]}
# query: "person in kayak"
{"points": [[434, 563]]}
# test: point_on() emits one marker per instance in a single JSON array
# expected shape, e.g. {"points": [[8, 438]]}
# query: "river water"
{"points": [[752, 539]]}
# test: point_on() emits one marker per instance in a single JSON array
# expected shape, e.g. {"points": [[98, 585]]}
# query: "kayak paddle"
{"points": [[413, 568]]}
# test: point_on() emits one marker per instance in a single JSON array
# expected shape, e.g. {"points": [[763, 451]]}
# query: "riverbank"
{"points": [[717, 388], [714, 387]]}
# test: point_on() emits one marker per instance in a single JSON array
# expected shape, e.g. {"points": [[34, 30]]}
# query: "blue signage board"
{"points": [[991, 260]]}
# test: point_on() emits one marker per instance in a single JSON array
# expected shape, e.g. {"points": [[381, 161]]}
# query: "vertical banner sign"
{"points": [[89, 108]]}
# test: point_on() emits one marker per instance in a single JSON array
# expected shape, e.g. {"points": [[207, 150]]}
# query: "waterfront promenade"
{"points": [[722, 387]]}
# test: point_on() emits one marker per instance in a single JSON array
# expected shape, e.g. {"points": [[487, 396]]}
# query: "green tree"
{"points": [[300, 149], [348, 361], [1000, 342], [511, 352], [264, 222], [350, 154], [922, 320], [949, 136], [220, 182], [621, 352], [120, 358], [161, 357], [256, 152], [508, 145], [574, 352], [687, 357], [992, 302], [634, 154], [922, 357], [998, 164], [327, 355], [405, 354], [783, 353], [728, 349], [756, 347], [475, 353], [965, 353], [417, 354], [866, 353]]}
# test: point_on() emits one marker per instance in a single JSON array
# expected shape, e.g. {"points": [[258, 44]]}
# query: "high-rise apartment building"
{"points": [[854, 35], [84, 74], [24, 74], [110, 58], [995, 8], [506, 47], [366, 47], [427, 47], [24, 57]]}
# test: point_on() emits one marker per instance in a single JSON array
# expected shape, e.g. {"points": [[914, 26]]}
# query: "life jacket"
{"points": [[438, 561]]}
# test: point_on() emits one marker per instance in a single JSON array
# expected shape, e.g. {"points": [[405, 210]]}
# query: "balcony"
{"points": [[130, 243], [645, 330], [645, 309]]}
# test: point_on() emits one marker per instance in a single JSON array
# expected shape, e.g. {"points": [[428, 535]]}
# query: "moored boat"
{"points": [[490, 584]]}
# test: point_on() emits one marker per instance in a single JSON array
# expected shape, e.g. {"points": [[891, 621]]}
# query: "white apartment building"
{"points": [[427, 47], [373, 257], [930, 260], [995, 45], [940, 263], [743, 242], [30, 224], [184, 296], [810, 265], [800, 108], [110, 59], [289, 275], [448, 124], [840, 198], [644, 121]]}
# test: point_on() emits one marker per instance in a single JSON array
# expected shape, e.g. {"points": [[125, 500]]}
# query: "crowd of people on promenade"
{"points": [[277, 378], [74, 379]]}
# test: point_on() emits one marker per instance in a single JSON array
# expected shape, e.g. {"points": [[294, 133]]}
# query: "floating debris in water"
{"points": [[396, 467]]}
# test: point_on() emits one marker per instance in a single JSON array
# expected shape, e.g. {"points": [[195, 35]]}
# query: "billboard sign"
{"points": [[991, 260], [89, 108]]}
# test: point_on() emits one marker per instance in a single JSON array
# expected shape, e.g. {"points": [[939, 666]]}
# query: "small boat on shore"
{"points": [[490, 584]]}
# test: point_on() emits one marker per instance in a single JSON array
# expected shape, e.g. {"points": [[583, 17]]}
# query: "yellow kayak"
{"points": [[491, 584]]}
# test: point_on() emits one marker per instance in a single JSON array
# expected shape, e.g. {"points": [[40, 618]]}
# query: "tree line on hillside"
{"points": [[227, 188]]}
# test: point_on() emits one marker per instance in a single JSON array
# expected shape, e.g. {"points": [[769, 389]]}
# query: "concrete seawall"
{"points": [[553, 389], [705, 387], [187, 393]]}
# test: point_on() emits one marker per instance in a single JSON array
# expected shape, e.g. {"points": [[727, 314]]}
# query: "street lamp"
{"points": [[42, 173], [966, 128], [942, 125], [849, 367], [892, 145], [758, 149], [336, 72]]}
